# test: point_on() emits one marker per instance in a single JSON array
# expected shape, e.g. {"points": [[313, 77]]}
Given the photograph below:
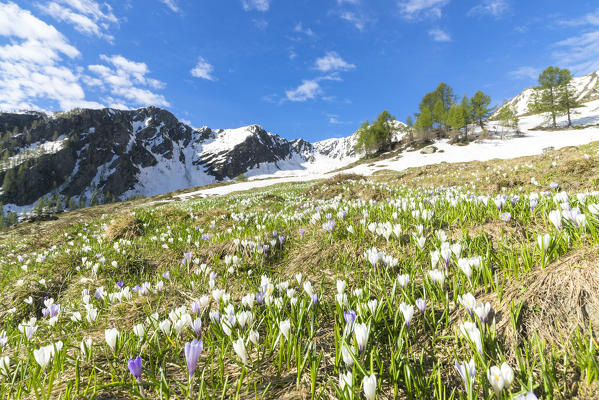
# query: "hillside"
{"points": [[437, 264], [113, 154]]}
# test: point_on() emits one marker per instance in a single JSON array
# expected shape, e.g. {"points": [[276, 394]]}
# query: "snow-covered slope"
{"points": [[585, 88], [117, 154]]}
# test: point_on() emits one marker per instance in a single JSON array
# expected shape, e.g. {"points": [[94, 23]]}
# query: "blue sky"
{"points": [[309, 69]]}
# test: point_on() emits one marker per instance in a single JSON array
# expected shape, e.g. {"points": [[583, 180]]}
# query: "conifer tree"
{"points": [[456, 117], [376, 136], [566, 94], [546, 96], [479, 106], [467, 114]]}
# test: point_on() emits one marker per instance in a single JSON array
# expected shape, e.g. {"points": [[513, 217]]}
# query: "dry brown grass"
{"points": [[124, 227], [555, 301]]}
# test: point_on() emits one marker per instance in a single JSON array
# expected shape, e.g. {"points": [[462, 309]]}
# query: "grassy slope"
{"points": [[534, 324]]}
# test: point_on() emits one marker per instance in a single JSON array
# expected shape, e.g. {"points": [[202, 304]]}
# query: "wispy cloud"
{"points": [[591, 18], [358, 21], [422, 8], [439, 35], [495, 8], [579, 53], [260, 23], [332, 61], [299, 28], [259, 5], [203, 70], [525, 73], [86, 16], [172, 4]]}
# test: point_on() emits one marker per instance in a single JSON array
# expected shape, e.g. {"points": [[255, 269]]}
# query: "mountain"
{"points": [[586, 88], [117, 154]]}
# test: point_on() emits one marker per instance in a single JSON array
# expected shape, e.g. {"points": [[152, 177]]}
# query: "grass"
{"points": [[266, 279]]}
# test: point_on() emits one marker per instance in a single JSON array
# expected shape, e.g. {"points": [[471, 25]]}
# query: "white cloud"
{"points": [[591, 18], [127, 83], [299, 28], [203, 70], [260, 23], [308, 90], [439, 35], [579, 53], [331, 61], [30, 65], [418, 8], [260, 5], [86, 16], [341, 2], [171, 4], [495, 8], [358, 21], [525, 73]]}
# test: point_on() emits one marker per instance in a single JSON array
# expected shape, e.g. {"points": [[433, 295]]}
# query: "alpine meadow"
{"points": [[337, 199]]}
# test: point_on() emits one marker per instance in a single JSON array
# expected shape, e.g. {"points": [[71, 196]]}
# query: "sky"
{"points": [[310, 69]]}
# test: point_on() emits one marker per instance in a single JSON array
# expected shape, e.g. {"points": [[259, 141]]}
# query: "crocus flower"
{"points": [[408, 312], [467, 371], [284, 327], [403, 280], [500, 377], [239, 347], [346, 354], [369, 383], [196, 326], [111, 336], [506, 217], [135, 367], [5, 365], [3, 339], [345, 380], [361, 331], [193, 351], [254, 337], [527, 396], [471, 332], [421, 304], [349, 316]]}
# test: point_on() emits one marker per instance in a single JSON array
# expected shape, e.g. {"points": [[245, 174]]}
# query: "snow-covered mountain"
{"points": [[118, 154], [586, 88]]}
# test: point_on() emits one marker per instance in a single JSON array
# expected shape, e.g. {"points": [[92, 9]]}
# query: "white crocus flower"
{"points": [[369, 383], [239, 347], [111, 336]]}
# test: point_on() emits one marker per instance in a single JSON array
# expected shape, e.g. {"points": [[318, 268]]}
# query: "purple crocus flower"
{"points": [[421, 304], [260, 298], [314, 299], [554, 185], [349, 316], [533, 204], [187, 258], [527, 396], [196, 308], [301, 232], [213, 275], [206, 236], [274, 233], [265, 248], [166, 275], [120, 284], [281, 239], [515, 200], [193, 351], [506, 217], [135, 367], [136, 289], [329, 225]]}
